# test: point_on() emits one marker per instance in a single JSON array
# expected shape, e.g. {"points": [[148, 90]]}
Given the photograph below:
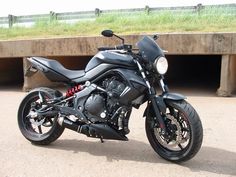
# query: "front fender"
{"points": [[161, 101], [173, 96]]}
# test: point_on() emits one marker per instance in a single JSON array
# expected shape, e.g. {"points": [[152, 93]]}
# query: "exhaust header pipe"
{"points": [[101, 130]]}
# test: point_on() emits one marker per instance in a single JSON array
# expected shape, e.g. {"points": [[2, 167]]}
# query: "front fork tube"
{"points": [[163, 86], [158, 105], [157, 111]]}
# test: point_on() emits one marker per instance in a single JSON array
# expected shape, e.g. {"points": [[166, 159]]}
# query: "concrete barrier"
{"points": [[179, 44], [228, 75], [175, 43]]}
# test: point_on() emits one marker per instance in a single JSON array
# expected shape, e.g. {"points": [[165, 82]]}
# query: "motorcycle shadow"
{"points": [[209, 159], [131, 150]]}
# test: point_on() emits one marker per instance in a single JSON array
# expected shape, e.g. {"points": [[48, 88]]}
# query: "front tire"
{"points": [[184, 128], [43, 130]]}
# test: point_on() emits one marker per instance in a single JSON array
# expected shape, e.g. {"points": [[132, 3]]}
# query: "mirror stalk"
{"points": [[123, 41]]}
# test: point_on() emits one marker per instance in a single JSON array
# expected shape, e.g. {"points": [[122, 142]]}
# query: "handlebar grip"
{"points": [[106, 48]]}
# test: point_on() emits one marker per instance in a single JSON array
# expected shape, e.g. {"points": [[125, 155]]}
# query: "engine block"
{"points": [[114, 86]]}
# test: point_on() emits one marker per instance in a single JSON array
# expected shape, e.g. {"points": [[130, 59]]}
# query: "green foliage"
{"points": [[208, 20]]}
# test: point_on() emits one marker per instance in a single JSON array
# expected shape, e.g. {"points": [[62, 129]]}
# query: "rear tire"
{"points": [[26, 127], [190, 122]]}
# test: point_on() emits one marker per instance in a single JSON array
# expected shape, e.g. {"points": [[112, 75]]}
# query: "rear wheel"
{"points": [[40, 130], [184, 132]]}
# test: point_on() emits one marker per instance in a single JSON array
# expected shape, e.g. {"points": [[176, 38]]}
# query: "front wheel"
{"points": [[184, 132]]}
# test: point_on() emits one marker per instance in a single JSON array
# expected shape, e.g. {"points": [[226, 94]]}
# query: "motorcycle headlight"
{"points": [[161, 65]]}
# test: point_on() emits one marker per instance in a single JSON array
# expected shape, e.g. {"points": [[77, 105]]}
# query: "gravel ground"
{"points": [[76, 155]]}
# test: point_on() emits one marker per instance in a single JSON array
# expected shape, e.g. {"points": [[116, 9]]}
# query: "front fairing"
{"points": [[149, 49]]}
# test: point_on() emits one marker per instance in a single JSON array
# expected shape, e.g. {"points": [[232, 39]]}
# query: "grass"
{"points": [[209, 20]]}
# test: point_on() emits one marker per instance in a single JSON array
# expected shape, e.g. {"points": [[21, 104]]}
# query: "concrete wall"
{"points": [[179, 44], [228, 76], [233, 74], [176, 43]]}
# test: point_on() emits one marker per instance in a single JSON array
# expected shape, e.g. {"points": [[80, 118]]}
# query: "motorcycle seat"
{"points": [[58, 68]]}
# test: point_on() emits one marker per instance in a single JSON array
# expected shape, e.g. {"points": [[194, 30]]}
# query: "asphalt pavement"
{"points": [[74, 155]]}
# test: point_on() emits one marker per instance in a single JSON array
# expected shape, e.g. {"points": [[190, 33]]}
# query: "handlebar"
{"points": [[119, 47], [106, 48]]}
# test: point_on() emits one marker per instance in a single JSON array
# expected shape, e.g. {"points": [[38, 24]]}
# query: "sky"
{"points": [[29, 7]]}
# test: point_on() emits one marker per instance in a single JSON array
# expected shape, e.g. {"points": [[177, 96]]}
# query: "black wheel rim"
{"points": [[30, 125], [173, 148]]}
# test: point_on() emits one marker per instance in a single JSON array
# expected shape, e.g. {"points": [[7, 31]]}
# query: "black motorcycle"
{"points": [[100, 99]]}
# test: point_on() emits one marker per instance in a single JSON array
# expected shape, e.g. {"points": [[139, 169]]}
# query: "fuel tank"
{"points": [[110, 57]]}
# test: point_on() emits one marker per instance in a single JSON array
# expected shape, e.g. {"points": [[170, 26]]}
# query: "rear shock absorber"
{"points": [[70, 92]]}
